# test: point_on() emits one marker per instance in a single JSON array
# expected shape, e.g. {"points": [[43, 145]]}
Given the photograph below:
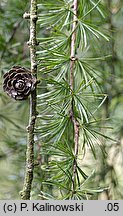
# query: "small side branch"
{"points": [[73, 119], [25, 193]]}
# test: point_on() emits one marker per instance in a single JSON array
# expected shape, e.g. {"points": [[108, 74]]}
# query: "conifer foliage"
{"points": [[67, 123], [69, 98]]}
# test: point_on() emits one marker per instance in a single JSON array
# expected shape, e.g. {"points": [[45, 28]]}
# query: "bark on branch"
{"points": [[25, 193]]}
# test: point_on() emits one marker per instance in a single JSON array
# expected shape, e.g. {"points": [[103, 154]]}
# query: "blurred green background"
{"points": [[14, 33]]}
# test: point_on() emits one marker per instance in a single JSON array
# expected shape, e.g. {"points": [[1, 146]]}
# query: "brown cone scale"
{"points": [[19, 83]]}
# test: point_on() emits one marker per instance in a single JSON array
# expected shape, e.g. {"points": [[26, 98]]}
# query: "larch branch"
{"points": [[26, 192]]}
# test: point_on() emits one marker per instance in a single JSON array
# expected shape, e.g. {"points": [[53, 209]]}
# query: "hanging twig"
{"points": [[112, 41], [75, 122], [25, 194]]}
